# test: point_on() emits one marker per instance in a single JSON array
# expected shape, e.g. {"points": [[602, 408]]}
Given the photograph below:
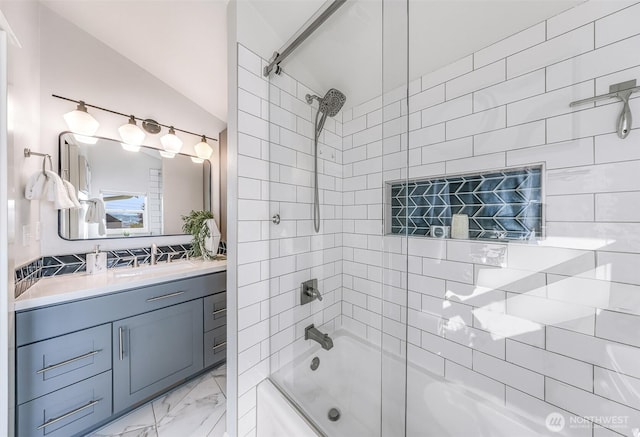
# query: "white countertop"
{"points": [[65, 288]]}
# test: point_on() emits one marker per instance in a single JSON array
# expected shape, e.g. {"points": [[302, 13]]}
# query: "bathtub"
{"points": [[348, 379]]}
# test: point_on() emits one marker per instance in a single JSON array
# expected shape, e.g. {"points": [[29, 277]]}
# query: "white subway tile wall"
{"points": [[275, 176], [548, 326]]}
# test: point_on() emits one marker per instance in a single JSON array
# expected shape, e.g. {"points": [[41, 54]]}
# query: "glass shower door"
{"points": [[523, 315]]}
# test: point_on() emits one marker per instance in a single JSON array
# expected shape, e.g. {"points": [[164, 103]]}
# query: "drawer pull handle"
{"points": [[120, 343], [223, 310], [220, 345], [70, 413], [166, 296], [72, 360]]}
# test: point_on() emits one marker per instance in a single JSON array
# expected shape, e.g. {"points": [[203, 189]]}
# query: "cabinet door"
{"points": [[154, 350]]}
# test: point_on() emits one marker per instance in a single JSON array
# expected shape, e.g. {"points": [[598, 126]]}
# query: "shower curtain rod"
{"points": [[298, 38]]}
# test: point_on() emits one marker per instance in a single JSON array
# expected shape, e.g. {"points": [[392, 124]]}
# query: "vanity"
{"points": [[90, 348]]}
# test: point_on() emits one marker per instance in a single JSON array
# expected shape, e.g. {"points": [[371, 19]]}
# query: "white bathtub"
{"points": [[349, 379]]}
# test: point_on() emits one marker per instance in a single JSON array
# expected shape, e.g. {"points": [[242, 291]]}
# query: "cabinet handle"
{"points": [[69, 361], [220, 345], [70, 413], [166, 296], [223, 310], [120, 344]]}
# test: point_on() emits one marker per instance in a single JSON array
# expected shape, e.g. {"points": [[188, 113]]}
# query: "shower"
{"points": [[329, 106]]}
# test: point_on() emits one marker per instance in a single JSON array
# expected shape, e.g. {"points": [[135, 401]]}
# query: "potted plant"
{"points": [[202, 227]]}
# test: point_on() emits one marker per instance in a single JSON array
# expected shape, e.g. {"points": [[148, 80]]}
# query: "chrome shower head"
{"points": [[331, 103]]}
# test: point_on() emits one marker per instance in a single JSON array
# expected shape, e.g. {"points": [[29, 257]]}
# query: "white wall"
{"points": [[75, 65], [23, 115], [24, 120]]}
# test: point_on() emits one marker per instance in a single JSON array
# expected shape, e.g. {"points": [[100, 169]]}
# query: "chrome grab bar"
{"points": [[69, 361], [70, 413], [223, 310], [220, 345], [166, 296]]}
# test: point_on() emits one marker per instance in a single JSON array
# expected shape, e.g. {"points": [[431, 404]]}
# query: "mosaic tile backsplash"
{"points": [[503, 204], [28, 274]]}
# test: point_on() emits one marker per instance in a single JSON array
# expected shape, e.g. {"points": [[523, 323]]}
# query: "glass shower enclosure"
{"points": [[470, 266]]}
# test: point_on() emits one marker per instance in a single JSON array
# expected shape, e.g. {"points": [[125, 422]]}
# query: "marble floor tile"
{"points": [[197, 414], [163, 404], [138, 420], [220, 430], [220, 371], [194, 409], [222, 382]]}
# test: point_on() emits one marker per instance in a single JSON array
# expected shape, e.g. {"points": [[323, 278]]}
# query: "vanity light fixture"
{"points": [[131, 134], [203, 149], [82, 124], [171, 142]]}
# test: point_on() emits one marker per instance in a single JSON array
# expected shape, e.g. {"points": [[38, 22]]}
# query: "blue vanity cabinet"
{"points": [[155, 350], [81, 363]]}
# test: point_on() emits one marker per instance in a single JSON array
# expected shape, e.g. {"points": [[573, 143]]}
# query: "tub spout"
{"points": [[311, 332]]}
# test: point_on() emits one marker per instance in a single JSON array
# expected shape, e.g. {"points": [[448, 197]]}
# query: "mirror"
{"points": [[128, 194]]}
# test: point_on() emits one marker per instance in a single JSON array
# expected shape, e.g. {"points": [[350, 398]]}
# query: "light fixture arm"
{"points": [[622, 91], [128, 116]]}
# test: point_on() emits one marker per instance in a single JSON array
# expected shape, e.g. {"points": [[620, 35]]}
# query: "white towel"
{"points": [[71, 191], [57, 192], [96, 214], [35, 186]]}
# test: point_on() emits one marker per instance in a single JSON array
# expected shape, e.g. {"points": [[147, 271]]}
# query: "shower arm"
{"points": [[622, 91]]}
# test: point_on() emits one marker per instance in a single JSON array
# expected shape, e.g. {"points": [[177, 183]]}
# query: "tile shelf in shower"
{"points": [[505, 204]]}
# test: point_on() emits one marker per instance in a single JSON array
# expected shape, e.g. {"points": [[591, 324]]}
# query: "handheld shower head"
{"points": [[331, 103]]}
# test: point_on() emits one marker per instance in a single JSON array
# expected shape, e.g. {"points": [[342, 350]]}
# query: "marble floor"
{"points": [[195, 409]]}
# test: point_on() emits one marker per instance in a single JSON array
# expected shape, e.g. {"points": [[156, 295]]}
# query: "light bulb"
{"points": [[171, 142], [197, 160], [203, 149], [130, 133], [81, 122], [168, 155], [130, 147]]}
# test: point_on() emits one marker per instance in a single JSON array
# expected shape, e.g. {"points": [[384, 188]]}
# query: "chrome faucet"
{"points": [[311, 332], [154, 254]]}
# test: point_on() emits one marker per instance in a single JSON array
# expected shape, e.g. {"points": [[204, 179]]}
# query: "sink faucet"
{"points": [[154, 254], [311, 332]]}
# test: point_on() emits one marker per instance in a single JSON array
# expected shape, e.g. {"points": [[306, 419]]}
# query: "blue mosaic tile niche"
{"points": [[503, 204]]}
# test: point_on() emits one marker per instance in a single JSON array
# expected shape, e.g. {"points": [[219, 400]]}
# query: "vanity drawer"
{"points": [[215, 311], [47, 322], [67, 411], [49, 365], [215, 346]]}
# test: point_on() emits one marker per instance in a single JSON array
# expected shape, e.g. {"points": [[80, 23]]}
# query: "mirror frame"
{"points": [[206, 201]]}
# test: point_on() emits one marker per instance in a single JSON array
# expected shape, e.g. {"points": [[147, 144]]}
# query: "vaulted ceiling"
{"points": [[184, 42]]}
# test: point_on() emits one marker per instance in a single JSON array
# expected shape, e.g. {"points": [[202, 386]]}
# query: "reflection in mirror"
{"points": [[129, 194]]}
